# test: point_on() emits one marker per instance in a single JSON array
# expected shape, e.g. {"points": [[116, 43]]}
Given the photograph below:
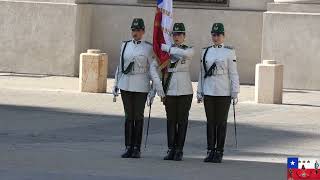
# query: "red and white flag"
{"points": [[162, 30]]}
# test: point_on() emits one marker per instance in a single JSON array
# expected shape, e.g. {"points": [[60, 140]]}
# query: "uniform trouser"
{"points": [[217, 108], [134, 104], [177, 108]]}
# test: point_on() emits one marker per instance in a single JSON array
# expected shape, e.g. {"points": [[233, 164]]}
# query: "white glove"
{"points": [[234, 97], [115, 91], [199, 97], [175, 58], [150, 97], [159, 89], [165, 48], [161, 93]]}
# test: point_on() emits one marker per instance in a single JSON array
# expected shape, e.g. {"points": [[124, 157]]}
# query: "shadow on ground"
{"points": [[55, 144], [22, 124], [159, 170]]}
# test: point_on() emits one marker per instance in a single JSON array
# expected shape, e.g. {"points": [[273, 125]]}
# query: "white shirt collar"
{"points": [[136, 42], [218, 46]]}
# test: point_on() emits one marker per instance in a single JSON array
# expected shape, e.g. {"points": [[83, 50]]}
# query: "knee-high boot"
{"points": [[137, 136], [221, 138], [171, 135], [128, 132]]}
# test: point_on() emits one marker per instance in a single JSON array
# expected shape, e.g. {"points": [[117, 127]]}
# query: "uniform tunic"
{"points": [[144, 68], [225, 78], [180, 83]]}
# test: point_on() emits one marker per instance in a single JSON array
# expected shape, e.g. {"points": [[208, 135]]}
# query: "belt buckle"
{"points": [[171, 70]]}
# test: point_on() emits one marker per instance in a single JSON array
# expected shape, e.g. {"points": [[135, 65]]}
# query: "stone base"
{"points": [[93, 72], [269, 83], [291, 36]]}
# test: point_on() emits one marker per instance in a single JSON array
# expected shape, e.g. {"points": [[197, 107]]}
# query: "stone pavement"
{"points": [[48, 130]]}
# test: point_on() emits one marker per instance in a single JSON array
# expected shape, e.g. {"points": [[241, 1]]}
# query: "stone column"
{"points": [[93, 71]]}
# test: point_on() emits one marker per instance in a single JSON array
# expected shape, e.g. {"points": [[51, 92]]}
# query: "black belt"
{"points": [[130, 66], [210, 71], [166, 82], [212, 68]]}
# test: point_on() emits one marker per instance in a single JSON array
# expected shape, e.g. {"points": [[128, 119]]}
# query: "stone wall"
{"points": [[291, 36], [44, 37], [243, 30]]}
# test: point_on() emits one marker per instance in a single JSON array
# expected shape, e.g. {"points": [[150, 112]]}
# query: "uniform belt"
{"points": [[139, 70], [216, 72], [173, 70]]}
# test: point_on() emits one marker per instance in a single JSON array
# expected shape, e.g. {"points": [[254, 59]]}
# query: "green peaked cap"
{"points": [[137, 23], [217, 28], [178, 28]]}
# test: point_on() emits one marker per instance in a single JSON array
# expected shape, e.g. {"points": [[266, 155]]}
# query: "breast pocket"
{"points": [[222, 67]]}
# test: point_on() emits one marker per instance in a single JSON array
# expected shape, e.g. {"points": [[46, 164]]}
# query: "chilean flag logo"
{"points": [[303, 168]]}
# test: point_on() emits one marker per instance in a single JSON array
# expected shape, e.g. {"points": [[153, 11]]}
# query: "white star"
{"points": [[292, 163]]}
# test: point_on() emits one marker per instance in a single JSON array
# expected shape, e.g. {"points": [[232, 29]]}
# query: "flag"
{"points": [[303, 168], [162, 30]]}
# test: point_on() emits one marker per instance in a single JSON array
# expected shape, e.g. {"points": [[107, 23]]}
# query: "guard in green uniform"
{"points": [[136, 68], [178, 88], [218, 84]]}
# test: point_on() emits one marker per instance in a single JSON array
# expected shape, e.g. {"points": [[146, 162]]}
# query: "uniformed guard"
{"points": [[316, 166], [137, 65], [218, 84], [178, 88]]}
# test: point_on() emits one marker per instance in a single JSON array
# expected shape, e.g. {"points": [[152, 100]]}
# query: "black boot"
{"points": [[181, 136], [221, 138], [171, 134], [218, 157], [128, 133], [137, 133], [210, 156], [170, 155], [136, 153], [221, 135], [211, 135], [127, 153], [178, 155]]}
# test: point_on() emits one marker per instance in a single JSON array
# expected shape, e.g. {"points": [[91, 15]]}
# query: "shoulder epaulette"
{"points": [[229, 47], [207, 47], [148, 42], [127, 41], [184, 46]]}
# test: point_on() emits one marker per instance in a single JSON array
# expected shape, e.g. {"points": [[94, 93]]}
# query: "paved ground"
{"points": [[48, 130]]}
